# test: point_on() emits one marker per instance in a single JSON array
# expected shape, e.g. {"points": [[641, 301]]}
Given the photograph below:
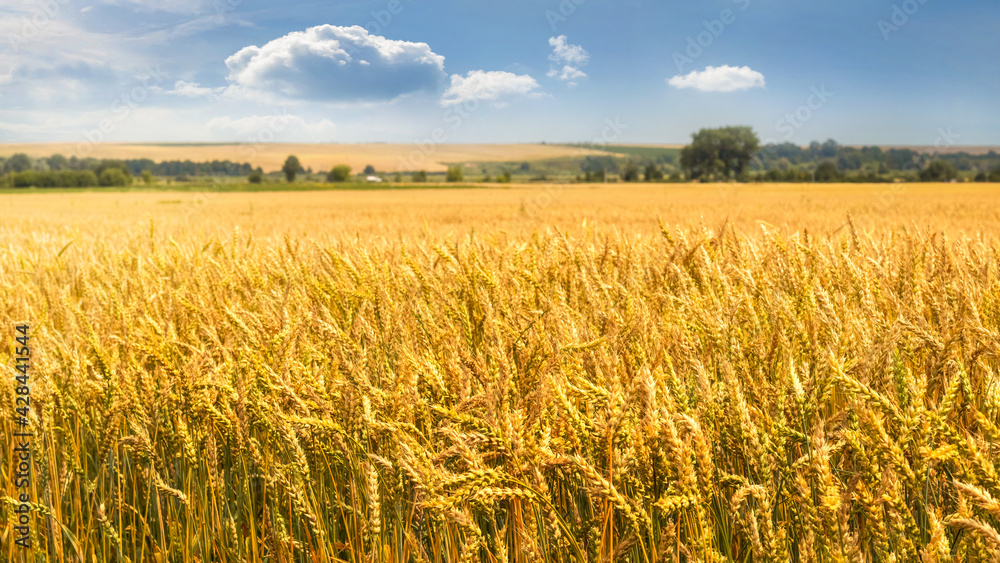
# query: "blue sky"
{"points": [[872, 72]]}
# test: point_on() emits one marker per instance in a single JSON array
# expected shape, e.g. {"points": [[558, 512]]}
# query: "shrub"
{"points": [[827, 171], [340, 173], [54, 179], [27, 179], [455, 174], [938, 171], [116, 164], [114, 177], [420, 176], [255, 177], [86, 178]]}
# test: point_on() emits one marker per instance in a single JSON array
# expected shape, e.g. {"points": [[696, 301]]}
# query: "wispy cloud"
{"points": [[199, 24], [170, 6]]}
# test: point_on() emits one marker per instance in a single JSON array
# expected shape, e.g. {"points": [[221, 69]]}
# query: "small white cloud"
{"points": [[567, 73], [338, 64], [192, 90], [570, 57], [277, 127], [86, 9], [493, 86], [719, 79], [563, 52]]}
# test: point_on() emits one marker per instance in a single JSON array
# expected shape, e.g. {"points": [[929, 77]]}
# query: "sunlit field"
{"points": [[422, 210], [640, 373]]}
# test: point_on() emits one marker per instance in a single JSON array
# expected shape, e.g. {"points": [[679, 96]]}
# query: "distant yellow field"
{"points": [[636, 209], [270, 157]]}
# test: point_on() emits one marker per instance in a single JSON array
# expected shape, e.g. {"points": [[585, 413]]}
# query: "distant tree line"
{"points": [[734, 153], [189, 168], [875, 159], [57, 171], [721, 154]]}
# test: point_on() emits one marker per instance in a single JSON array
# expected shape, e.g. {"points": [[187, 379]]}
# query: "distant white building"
{"points": [[373, 180]]}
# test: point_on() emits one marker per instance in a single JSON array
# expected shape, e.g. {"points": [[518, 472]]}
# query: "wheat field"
{"points": [[711, 373]]}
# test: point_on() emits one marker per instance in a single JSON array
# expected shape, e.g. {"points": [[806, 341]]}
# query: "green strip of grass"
{"points": [[239, 187]]}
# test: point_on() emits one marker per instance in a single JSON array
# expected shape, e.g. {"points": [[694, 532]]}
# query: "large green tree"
{"points": [[18, 163], [725, 152], [291, 168]]}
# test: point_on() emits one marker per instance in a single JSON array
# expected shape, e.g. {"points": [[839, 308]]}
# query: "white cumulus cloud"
{"points": [[569, 57], [338, 64], [719, 79], [493, 86]]}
